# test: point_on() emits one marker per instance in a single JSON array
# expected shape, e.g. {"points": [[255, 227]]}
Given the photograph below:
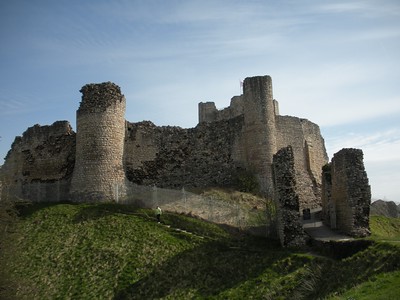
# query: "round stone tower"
{"points": [[260, 128], [98, 173]]}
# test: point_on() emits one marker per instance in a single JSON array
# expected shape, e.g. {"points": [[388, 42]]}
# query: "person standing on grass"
{"points": [[158, 214]]}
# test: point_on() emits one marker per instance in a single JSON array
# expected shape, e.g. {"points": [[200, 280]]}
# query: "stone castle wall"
{"points": [[265, 131], [309, 155], [174, 157], [40, 163], [99, 143], [243, 136]]}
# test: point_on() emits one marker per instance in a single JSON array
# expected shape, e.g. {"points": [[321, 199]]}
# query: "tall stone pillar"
{"points": [[289, 226], [351, 192], [99, 144], [260, 129]]}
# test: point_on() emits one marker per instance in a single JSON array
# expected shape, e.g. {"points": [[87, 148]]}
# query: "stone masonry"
{"points": [[347, 200], [264, 131], [289, 225], [40, 163], [174, 157], [107, 151], [99, 143]]}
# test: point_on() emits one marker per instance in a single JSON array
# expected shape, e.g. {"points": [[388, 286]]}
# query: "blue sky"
{"points": [[336, 63]]}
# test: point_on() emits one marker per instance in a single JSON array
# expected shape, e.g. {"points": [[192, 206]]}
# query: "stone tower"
{"points": [[259, 143], [99, 173]]}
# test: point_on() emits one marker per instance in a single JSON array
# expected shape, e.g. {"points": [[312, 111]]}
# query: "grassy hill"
{"points": [[385, 229], [109, 251]]}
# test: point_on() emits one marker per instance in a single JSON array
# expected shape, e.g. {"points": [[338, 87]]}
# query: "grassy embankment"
{"points": [[105, 251]]}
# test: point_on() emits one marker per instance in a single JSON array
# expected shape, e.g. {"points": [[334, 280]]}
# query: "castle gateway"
{"points": [[53, 163]]}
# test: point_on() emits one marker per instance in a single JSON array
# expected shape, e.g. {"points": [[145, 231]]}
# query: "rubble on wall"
{"points": [[97, 97], [175, 157], [290, 228]]}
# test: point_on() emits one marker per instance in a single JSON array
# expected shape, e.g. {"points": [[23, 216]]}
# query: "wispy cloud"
{"points": [[369, 8], [15, 104], [381, 148], [378, 146]]}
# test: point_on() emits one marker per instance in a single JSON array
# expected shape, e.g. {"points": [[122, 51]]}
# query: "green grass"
{"points": [[385, 229], [109, 251], [385, 286]]}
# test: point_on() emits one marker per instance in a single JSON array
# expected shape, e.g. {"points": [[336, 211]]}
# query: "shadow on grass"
{"points": [[97, 211], [26, 209], [208, 269], [85, 213]]}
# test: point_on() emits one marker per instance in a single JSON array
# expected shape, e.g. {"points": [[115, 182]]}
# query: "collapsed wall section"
{"points": [[351, 192], [39, 165], [174, 157], [290, 228], [99, 143]]}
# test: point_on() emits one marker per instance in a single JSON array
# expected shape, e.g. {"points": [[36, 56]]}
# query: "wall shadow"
{"points": [[208, 269]]}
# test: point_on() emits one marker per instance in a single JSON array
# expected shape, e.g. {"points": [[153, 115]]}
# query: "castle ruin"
{"points": [[53, 163]]}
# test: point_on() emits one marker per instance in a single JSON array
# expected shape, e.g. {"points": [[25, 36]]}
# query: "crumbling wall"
{"points": [[309, 156], [99, 143], [174, 157], [351, 192], [290, 228], [39, 165]]}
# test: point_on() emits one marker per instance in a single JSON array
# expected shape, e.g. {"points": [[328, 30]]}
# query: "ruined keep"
{"points": [[52, 163]]}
